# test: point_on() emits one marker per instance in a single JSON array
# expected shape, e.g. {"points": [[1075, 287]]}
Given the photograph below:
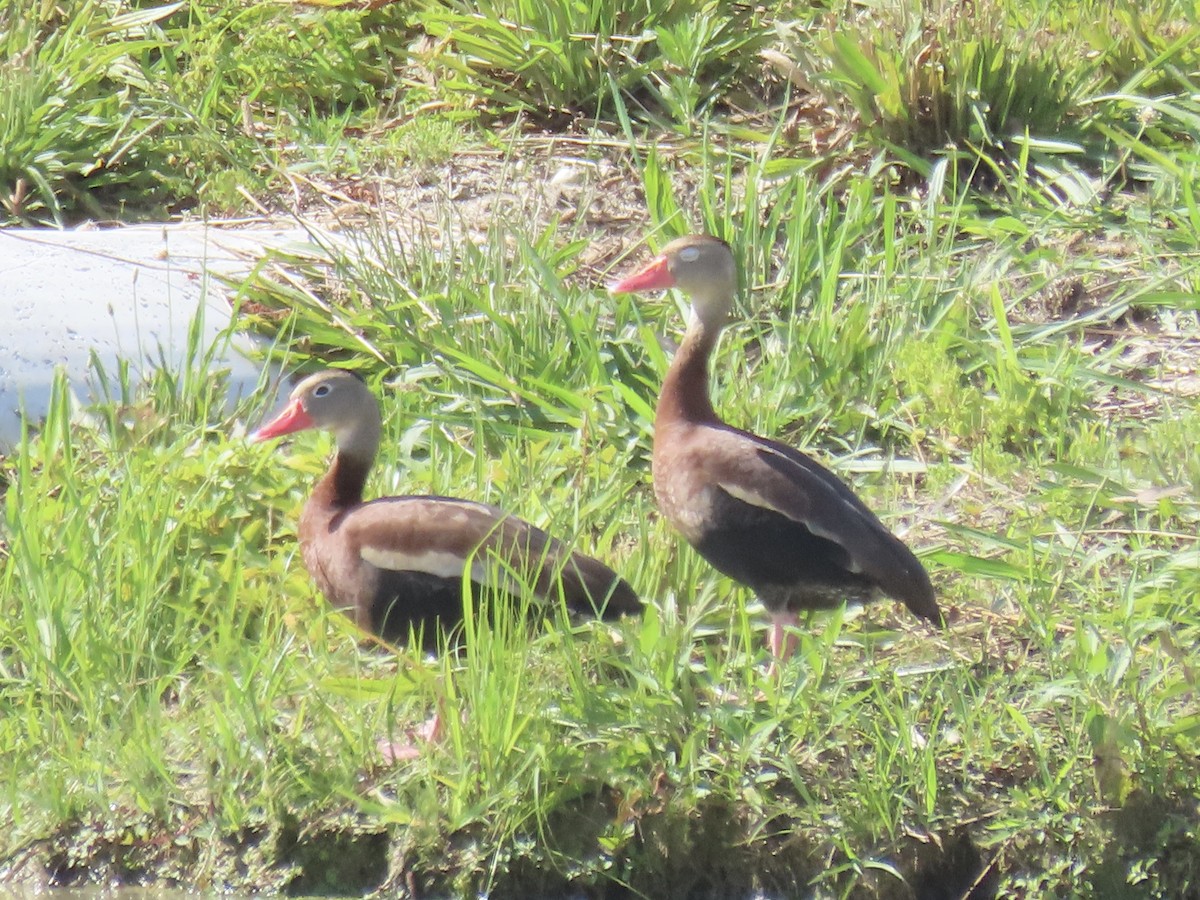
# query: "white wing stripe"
{"points": [[441, 564], [737, 492], [432, 562]]}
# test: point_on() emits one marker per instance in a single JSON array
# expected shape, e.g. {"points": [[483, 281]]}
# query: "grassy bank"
{"points": [[992, 334]]}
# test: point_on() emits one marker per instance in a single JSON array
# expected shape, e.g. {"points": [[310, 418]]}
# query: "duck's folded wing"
{"points": [[447, 537], [776, 477]]}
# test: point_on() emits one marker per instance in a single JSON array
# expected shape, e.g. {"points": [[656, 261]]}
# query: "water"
{"points": [[72, 299]]}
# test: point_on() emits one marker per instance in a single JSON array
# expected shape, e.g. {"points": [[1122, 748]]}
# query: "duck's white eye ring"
{"points": [[689, 254], [320, 390]]}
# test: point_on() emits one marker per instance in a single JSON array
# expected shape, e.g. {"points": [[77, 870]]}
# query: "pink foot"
{"points": [[428, 733]]}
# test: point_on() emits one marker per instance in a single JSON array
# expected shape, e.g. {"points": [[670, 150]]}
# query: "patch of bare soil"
{"points": [[1164, 363], [587, 187], [1158, 349]]}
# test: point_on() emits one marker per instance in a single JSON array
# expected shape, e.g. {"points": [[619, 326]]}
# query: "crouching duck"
{"points": [[396, 565], [759, 511]]}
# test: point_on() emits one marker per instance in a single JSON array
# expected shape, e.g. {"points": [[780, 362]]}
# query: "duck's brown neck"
{"points": [[684, 396], [357, 444], [343, 484]]}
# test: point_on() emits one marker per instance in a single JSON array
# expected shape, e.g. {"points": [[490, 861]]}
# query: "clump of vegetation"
{"points": [[215, 103], [1005, 92], [560, 63], [959, 77], [74, 127]]}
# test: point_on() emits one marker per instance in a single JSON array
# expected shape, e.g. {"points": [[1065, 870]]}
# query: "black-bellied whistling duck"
{"points": [[396, 565], [759, 511]]}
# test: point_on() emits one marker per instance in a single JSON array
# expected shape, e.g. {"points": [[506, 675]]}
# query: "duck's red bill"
{"points": [[653, 276], [292, 419]]}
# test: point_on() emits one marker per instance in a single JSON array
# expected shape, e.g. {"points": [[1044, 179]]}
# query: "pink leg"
{"points": [[428, 733], [782, 642]]}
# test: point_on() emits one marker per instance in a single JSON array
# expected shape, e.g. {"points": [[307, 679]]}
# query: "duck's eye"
{"points": [[689, 254], [320, 390]]}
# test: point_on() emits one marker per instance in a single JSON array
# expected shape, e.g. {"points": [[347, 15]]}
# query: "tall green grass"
{"points": [[71, 126], [169, 670], [226, 106]]}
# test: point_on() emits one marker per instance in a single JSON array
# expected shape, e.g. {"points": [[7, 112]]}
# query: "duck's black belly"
{"points": [[417, 606], [786, 565], [409, 605]]}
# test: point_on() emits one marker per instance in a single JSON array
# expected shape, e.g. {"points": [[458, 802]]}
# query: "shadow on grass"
{"points": [[1153, 851]]}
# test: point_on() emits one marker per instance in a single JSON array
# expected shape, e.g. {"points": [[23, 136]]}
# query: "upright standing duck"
{"points": [[759, 511], [396, 565]]}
